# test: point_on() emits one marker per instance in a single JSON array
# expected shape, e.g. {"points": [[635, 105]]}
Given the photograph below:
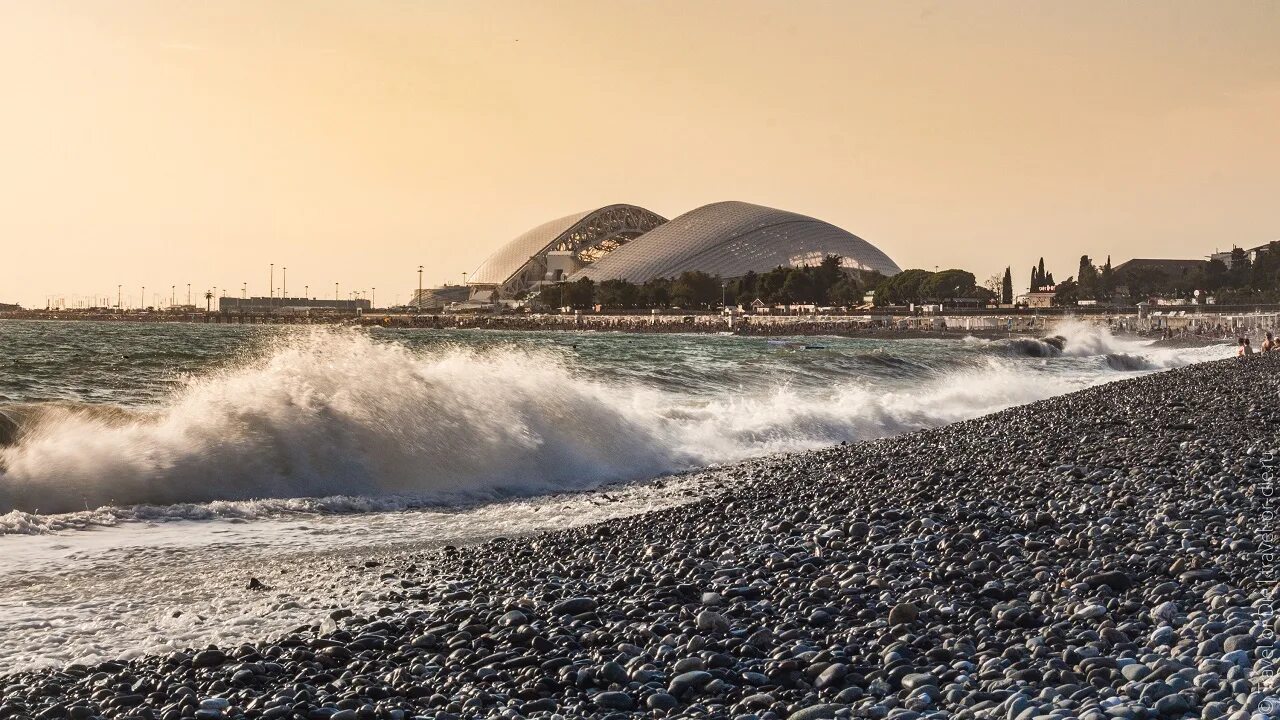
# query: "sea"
{"points": [[150, 473]]}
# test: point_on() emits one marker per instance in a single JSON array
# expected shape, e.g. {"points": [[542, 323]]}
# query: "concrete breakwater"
{"points": [[1105, 554]]}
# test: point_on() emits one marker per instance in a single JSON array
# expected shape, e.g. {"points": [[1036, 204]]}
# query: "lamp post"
{"points": [[306, 291], [373, 299], [419, 289], [244, 291], [172, 295], [144, 297], [188, 293], [271, 288], [119, 297], [284, 283], [335, 291]]}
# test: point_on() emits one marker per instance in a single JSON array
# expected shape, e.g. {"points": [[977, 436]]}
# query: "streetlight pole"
{"points": [[172, 295], [271, 292], [419, 289], [188, 293], [335, 291], [119, 297], [306, 291], [373, 299], [244, 291], [144, 297], [284, 284]]}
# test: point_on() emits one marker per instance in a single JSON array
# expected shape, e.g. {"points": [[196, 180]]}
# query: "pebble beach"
{"points": [[1104, 554]]}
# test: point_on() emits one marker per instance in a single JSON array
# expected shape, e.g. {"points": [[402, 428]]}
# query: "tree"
{"points": [[618, 294], [948, 284], [1067, 293], [581, 294], [656, 293], [828, 273], [1240, 270], [902, 288], [695, 288], [798, 287], [1006, 287], [845, 293], [1215, 275], [1087, 278], [1107, 281]]}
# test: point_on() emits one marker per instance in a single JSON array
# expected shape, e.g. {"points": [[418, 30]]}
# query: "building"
{"points": [[1041, 298], [435, 299], [1167, 267], [554, 250], [289, 305], [10, 307], [628, 242], [1228, 258], [730, 239]]}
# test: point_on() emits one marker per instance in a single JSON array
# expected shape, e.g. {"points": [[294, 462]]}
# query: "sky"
{"points": [[171, 142]]}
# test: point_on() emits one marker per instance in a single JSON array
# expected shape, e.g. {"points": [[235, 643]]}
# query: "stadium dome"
{"points": [[730, 239], [556, 249]]}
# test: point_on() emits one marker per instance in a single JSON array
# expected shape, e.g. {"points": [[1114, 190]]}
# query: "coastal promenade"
{"points": [[1104, 554], [1202, 323]]}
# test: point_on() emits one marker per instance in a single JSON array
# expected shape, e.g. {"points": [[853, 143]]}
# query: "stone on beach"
{"points": [[1082, 557]]}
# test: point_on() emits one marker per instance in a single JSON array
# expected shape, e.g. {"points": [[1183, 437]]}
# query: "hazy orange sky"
{"points": [[164, 143]]}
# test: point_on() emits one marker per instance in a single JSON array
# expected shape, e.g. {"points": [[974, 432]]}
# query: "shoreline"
{"points": [[1063, 558], [762, 326]]}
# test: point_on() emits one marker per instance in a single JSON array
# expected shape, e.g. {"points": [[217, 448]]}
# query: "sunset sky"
{"points": [[165, 143]]}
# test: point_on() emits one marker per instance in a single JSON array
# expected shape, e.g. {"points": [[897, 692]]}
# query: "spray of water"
{"points": [[337, 414]]}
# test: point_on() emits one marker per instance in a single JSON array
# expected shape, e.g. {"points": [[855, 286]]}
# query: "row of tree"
{"points": [[1244, 280], [917, 286], [826, 284], [831, 284]]}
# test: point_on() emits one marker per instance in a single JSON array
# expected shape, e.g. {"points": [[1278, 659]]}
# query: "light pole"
{"points": [[119, 297], [284, 283], [188, 293], [172, 295], [306, 291], [373, 299], [419, 289], [244, 291], [335, 291], [144, 297], [271, 292]]}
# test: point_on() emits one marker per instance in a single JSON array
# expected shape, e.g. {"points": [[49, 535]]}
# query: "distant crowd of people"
{"points": [[1245, 347]]}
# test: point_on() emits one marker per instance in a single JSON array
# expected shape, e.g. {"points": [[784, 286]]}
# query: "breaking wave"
{"points": [[336, 420]]}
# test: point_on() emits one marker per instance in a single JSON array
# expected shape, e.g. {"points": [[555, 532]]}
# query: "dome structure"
{"points": [[730, 239], [555, 249]]}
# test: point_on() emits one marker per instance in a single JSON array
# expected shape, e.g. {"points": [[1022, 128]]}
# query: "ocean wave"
{"points": [[342, 421]]}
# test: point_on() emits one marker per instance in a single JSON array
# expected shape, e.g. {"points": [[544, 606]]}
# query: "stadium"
{"points": [[628, 242]]}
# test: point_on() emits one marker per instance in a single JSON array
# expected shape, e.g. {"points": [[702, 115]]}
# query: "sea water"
{"points": [[148, 471]]}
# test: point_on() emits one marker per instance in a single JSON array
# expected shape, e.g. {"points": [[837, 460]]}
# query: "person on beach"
{"points": [[1244, 348], [1269, 344]]}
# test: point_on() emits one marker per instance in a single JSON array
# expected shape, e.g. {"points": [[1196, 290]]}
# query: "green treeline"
{"points": [[827, 284]]}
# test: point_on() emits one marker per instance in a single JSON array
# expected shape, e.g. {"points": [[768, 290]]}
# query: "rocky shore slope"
{"points": [[1105, 554]]}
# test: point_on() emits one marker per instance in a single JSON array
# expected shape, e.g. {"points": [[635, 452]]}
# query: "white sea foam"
{"points": [[339, 421]]}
